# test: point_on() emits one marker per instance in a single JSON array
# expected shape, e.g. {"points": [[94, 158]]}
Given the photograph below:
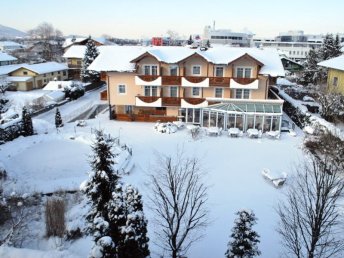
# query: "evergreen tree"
{"points": [[328, 49], [312, 73], [135, 243], [90, 55], [208, 44], [58, 119], [244, 240], [99, 190], [27, 127], [337, 46], [190, 41]]}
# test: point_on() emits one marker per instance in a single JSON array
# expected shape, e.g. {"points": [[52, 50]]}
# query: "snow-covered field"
{"points": [[48, 162]]}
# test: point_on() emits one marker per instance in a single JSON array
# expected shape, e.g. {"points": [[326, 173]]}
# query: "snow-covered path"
{"points": [[74, 108]]}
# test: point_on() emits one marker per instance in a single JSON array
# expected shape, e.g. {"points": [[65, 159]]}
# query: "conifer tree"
{"points": [[90, 55], [135, 244], [27, 127], [58, 119], [244, 240], [99, 190], [337, 47], [190, 41], [208, 44]]}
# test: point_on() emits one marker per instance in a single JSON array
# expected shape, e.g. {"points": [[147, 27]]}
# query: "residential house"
{"points": [[8, 46], [220, 87], [26, 77], [81, 41], [335, 74], [291, 65], [6, 59]]}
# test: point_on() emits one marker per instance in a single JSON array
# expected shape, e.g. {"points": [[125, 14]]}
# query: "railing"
{"points": [[74, 66], [194, 101], [148, 78], [219, 81], [152, 112], [171, 101], [244, 81], [103, 95], [171, 80], [195, 79], [148, 99]]}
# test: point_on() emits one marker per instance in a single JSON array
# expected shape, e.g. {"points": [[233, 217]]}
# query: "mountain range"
{"points": [[8, 32]]}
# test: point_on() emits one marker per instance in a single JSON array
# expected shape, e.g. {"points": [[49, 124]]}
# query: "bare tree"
{"points": [[331, 103], [310, 215], [178, 198]]}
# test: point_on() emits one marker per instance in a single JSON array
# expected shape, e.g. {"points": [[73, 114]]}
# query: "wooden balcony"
{"points": [[171, 80], [148, 99], [219, 81], [244, 81], [171, 101], [148, 78], [194, 101], [195, 79]]}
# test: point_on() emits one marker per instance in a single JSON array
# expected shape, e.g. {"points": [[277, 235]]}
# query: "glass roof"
{"points": [[248, 107]]}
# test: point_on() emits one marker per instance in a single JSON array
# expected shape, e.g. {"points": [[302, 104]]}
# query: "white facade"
{"points": [[227, 37]]}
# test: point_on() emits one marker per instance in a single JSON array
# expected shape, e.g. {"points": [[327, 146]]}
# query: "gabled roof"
{"points": [[6, 57], [70, 41], [334, 63], [36, 68], [268, 58]]}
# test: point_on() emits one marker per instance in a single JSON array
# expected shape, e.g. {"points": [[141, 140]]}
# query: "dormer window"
{"points": [[219, 71], [244, 72], [25, 73], [150, 69], [173, 70], [196, 70]]}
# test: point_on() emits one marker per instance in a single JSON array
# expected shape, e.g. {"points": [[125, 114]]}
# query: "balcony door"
{"points": [[150, 70]]}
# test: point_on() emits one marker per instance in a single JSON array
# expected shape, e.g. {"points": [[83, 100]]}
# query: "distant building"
{"points": [[6, 59], [82, 42], [8, 46], [26, 77], [227, 37]]}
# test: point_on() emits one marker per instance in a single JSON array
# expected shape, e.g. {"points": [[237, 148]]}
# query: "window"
{"points": [[59, 72], [219, 71], [173, 70], [218, 93], [150, 70], [174, 92], [121, 89], [196, 70], [151, 91], [78, 62], [64, 73], [44, 75], [242, 94], [195, 91], [243, 72], [128, 109], [25, 73], [335, 81], [52, 73]]}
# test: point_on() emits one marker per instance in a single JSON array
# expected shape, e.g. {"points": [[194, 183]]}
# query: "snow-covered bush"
{"points": [[74, 91], [331, 105]]}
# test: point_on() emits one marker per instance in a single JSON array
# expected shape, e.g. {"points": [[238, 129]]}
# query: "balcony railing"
{"points": [[148, 99], [219, 81], [171, 101], [195, 79], [194, 101], [171, 80], [148, 78], [244, 80]]}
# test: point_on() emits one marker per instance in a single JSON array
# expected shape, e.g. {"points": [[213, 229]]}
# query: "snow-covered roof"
{"points": [[18, 78], [70, 41], [76, 51], [285, 82], [37, 68], [6, 69], [10, 43], [57, 85], [6, 57], [45, 67], [115, 58], [334, 63]]}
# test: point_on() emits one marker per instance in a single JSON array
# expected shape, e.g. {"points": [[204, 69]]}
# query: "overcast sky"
{"points": [[146, 18]]}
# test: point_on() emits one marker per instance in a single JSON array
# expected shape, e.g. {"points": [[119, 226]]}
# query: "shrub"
{"points": [[55, 217]]}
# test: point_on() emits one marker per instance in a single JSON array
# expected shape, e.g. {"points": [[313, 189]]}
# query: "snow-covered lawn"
{"points": [[47, 162]]}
